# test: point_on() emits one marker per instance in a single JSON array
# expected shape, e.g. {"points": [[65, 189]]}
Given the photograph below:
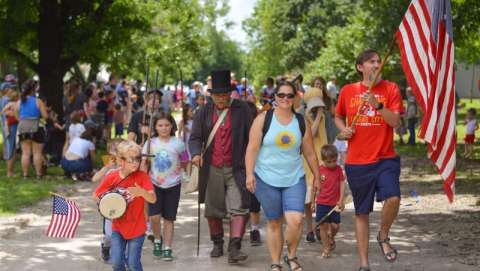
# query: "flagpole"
{"points": [[373, 83], [58, 195]]}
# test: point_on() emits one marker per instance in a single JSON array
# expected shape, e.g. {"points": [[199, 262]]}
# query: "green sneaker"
{"points": [[157, 249], [167, 255]]}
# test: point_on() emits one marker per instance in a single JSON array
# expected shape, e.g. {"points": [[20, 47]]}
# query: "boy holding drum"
{"points": [[128, 231]]}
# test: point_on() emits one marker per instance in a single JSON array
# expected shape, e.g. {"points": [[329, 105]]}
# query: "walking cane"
{"points": [[198, 228]]}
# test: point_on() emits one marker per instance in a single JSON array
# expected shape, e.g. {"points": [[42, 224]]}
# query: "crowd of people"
{"points": [[290, 155]]}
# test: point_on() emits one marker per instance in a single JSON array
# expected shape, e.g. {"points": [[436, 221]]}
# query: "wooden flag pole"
{"points": [[374, 81]]}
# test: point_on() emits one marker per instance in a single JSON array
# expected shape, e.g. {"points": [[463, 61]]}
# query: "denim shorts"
{"points": [[381, 178], [275, 201]]}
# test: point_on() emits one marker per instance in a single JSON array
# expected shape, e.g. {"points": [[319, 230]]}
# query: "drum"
{"points": [[112, 205]]}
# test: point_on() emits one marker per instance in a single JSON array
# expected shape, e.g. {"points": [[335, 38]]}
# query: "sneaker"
{"points": [[255, 239], [167, 255], [105, 253], [310, 237], [157, 249]]}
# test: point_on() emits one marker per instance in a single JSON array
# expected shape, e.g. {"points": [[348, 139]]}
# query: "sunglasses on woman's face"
{"points": [[287, 95]]}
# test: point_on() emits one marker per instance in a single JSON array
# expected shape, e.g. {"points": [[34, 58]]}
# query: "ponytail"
{"points": [[28, 87]]}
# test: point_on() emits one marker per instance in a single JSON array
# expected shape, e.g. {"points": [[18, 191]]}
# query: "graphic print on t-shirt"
{"points": [[164, 165], [285, 139], [368, 115]]}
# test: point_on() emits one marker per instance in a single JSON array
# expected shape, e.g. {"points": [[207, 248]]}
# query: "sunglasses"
{"points": [[287, 95], [132, 160]]}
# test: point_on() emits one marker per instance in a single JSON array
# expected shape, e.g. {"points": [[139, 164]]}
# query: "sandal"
{"points": [[389, 256], [326, 254], [363, 268], [292, 260], [275, 266]]}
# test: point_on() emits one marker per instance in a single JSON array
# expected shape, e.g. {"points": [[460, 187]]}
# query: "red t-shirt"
{"points": [[330, 187], [222, 142], [132, 223], [373, 137]]}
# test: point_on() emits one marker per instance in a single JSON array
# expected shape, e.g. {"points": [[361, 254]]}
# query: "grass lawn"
{"points": [[17, 192]]}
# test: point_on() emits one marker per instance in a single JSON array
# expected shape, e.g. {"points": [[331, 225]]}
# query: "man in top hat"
{"points": [[222, 179]]}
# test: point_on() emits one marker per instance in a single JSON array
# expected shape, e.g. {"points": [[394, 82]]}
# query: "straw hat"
{"points": [[314, 102]]}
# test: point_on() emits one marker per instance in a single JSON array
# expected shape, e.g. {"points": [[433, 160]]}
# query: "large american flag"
{"points": [[65, 218], [425, 39]]}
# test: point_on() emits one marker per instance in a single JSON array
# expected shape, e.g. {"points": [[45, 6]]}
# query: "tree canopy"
{"points": [[52, 38], [323, 37]]}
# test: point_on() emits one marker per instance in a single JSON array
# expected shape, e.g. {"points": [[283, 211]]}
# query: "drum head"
{"points": [[112, 205]]}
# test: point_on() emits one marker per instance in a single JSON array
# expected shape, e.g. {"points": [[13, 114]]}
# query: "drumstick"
{"points": [[335, 209]]}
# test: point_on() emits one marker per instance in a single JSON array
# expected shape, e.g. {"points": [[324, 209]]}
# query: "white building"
{"points": [[467, 81]]}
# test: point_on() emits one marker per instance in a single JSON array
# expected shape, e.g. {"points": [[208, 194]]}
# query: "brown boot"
{"points": [[235, 255]]}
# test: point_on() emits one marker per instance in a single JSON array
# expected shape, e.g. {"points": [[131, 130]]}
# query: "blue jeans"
{"points": [[77, 166], [276, 201], [133, 248]]}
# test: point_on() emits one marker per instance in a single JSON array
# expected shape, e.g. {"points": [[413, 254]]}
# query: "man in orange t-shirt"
{"points": [[372, 166]]}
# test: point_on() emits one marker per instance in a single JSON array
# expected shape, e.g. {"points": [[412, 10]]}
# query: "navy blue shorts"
{"points": [[381, 178], [323, 210]]}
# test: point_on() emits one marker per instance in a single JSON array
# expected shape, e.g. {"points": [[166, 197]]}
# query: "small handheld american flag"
{"points": [[65, 218]]}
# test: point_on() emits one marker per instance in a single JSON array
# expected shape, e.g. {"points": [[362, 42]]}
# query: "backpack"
{"points": [[268, 121]]}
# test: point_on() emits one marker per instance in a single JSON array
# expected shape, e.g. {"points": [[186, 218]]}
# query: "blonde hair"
{"points": [[128, 148], [112, 145]]}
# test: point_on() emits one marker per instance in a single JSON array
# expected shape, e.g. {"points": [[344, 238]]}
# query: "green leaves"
{"points": [[323, 37]]}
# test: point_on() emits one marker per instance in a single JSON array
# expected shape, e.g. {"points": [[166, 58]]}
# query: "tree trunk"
{"points": [[92, 74], [21, 72], [50, 48]]}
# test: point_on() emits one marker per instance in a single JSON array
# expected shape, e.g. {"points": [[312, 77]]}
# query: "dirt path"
{"points": [[429, 234]]}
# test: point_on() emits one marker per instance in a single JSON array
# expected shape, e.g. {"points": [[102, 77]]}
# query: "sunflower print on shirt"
{"points": [[285, 139]]}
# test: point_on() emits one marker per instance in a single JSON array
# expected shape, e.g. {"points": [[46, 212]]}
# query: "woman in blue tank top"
{"points": [[31, 134], [275, 173]]}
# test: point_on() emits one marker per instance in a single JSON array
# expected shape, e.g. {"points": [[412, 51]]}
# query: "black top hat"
{"points": [[221, 82]]}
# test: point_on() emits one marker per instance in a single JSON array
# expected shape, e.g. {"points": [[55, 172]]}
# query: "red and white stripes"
{"points": [[65, 218], [429, 68]]}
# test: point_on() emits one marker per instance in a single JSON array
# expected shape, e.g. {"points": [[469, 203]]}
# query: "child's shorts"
{"points": [[167, 202], [119, 129], [469, 139], [381, 178], [322, 210]]}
